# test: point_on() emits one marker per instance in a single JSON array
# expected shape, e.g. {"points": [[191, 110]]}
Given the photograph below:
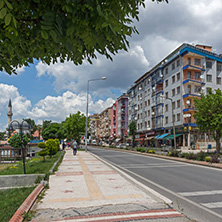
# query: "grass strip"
{"points": [[10, 201], [35, 165]]}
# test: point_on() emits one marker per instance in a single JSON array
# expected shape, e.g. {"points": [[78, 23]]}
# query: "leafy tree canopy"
{"points": [[132, 128], [2, 135], [53, 131], [15, 140], [64, 29], [209, 115], [75, 125]]}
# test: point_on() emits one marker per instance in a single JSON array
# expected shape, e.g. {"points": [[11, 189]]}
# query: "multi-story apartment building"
{"points": [[119, 118], [165, 95], [94, 126], [104, 126]]}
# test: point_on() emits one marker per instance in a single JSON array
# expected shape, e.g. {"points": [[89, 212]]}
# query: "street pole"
{"points": [[23, 152], [173, 120], [87, 106]]}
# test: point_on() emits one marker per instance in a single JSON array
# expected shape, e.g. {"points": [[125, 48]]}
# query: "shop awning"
{"points": [[149, 138], [162, 136], [170, 137], [156, 136]]}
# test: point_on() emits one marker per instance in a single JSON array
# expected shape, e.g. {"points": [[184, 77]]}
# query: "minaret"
{"points": [[9, 114]]}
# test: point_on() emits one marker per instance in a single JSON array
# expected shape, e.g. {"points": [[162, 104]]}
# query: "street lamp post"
{"points": [[174, 136], [87, 105], [23, 128]]}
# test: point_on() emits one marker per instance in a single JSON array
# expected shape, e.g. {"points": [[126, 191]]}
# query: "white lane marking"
{"points": [[147, 166], [212, 205], [200, 193]]}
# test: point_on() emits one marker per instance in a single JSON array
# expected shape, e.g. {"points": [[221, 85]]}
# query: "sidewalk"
{"points": [[86, 189]]}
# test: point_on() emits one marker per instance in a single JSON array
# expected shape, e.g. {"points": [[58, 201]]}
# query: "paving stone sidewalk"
{"points": [[86, 189]]}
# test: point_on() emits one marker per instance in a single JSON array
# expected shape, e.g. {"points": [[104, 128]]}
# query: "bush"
{"points": [[207, 158], [215, 159], [184, 155], [151, 151], [112, 146], [52, 146], [201, 156], [174, 153], [41, 145], [191, 156]]}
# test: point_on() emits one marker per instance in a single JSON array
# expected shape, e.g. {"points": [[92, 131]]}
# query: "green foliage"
{"points": [[209, 115], [132, 128], [15, 140], [52, 146], [53, 130], [140, 149], [64, 30], [214, 158], [2, 135], [75, 125], [151, 151], [11, 200], [207, 158], [43, 153], [41, 145], [32, 123], [174, 153]]}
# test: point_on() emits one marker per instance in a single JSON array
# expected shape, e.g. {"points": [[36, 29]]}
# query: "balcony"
{"points": [[191, 93]]}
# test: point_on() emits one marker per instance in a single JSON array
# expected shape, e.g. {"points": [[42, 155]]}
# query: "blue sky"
{"points": [[53, 92]]}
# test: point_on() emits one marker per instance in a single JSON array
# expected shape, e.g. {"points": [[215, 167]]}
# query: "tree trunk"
{"points": [[133, 138], [218, 145]]}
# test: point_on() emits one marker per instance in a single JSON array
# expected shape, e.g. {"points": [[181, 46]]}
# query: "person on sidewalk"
{"points": [[74, 147]]}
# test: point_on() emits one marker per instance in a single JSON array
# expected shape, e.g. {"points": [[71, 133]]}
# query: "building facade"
{"points": [[94, 126], [165, 95]]}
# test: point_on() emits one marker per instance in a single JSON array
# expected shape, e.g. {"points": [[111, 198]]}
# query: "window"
{"points": [[138, 97], [173, 92], [209, 78], [166, 119], [145, 124], [145, 113], [138, 107], [166, 70], [189, 75], [178, 116], [197, 89], [166, 107], [141, 116], [166, 83], [166, 94], [219, 80], [148, 124], [178, 63], [178, 90], [141, 125], [148, 112], [209, 65], [219, 67], [173, 105], [173, 66], [178, 76], [141, 106], [197, 75], [145, 103], [173, 117], [189, 60], [138, 116], [197, 62], [173, 79], [189, 89], [178, 103], [138, 126], [148, 102]]}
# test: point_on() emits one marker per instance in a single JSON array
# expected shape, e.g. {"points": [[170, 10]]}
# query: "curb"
{"points": [[29, 201], [27, 204]]}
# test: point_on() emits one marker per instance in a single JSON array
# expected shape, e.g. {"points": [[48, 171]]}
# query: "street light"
{"points": [[174, 136], [23, 128], [87, 105]]}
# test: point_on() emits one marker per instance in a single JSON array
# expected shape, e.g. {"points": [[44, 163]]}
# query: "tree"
{"points": [[75, 125], [15, 140], [46, 123], [209, 115], [132, 130], [64, 30], [44, 152], [53, 131], [2, 135], [52, 146]]}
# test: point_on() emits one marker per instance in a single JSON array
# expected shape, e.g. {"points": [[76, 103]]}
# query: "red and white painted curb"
{"points": [[27, 204]]}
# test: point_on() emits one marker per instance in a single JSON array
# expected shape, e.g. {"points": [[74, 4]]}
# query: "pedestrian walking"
{"points": [[74, 147]]}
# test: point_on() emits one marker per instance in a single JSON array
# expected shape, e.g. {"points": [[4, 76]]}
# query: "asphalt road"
{"points": [[195, 190]]}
